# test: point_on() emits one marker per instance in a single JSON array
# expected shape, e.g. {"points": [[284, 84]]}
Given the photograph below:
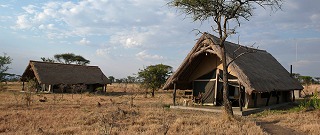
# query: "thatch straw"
{"points": [[257, 72], [56, 73]]}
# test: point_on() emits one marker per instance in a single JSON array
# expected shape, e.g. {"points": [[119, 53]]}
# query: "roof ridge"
{"points": [[61, 63], [231, 43]]}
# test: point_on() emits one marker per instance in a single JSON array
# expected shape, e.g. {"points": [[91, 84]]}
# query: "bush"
{"points": [[310, 103], [99, 90]]}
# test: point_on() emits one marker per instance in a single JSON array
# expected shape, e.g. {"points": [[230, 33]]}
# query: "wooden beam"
{"points": [[268, 99], [255, 99], [22, 85], [278, 98], [50, 88], [216, 87], [293, 97], [105, 88], [174, 94], [240, 96]]}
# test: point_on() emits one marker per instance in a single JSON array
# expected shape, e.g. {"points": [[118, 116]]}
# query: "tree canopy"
{"points": [[67, 58], [4, 62], [306, 79], [221, 12], [154, 76], [48, 60], [111, 78]]}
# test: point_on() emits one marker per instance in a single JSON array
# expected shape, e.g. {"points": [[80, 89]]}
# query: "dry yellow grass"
{"points": [[300, 122], [309, 89], [82, 114], [112, 113]]}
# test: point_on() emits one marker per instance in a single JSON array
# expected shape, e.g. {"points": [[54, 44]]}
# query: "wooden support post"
{"points": [[216, 87], [105, 88], [255, 99], [22, 85], [43, 87], [293, 97], [278, 98], [240, 97], [300, 94], [174, 94], [50, 88], [268, 99]]}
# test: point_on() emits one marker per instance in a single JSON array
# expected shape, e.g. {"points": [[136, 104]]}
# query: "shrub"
{"points": [[313, 102]]}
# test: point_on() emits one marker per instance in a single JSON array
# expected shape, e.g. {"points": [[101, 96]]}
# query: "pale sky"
{"points": [[123, 36]]}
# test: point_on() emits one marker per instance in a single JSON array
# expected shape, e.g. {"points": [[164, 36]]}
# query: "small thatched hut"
{"points": [[50, 75], [255, 79]]}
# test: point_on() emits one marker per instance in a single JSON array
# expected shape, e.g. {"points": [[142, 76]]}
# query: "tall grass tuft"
{"points": [[3, 87], [310, 103], [31, 87]]}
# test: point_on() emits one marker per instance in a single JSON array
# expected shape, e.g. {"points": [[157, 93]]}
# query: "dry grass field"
{"points": [[115, 113]]}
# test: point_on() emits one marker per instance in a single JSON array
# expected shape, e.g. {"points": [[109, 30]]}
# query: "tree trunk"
{"points": [[226, 102], [152, 94]]}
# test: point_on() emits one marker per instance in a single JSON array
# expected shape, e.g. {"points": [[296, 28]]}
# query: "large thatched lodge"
{"points": [[256, 79], [49, 76]]}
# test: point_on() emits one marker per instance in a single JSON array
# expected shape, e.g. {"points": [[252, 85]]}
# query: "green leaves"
{"points": [[4, 62], [222, 11], [68, 58], [154, 76]]}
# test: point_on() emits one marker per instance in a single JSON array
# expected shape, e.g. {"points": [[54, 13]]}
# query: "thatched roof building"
{"points": [[57, 73], [257, 72]]}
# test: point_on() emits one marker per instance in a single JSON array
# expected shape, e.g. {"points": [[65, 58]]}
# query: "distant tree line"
{"points": [[128, 79], [306, 79]]}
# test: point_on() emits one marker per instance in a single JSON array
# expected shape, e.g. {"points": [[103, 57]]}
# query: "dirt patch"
{"points": [[272, 128]]}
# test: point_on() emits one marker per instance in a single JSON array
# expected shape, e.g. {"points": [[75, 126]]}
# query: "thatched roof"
{"points": [[257, 72], [57, 73]]}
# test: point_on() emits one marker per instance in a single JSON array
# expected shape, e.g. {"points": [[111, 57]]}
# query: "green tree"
{"points": [[154, 76], [111, 78], [220, 13], [131, 79], [119, 80], [4, 62], [47, 60], [318, 79], [69, 58], [80, 60], [306, 79]]}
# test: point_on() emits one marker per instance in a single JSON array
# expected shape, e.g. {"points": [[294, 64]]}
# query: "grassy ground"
{"points": [[125, 110], [112, 113]]}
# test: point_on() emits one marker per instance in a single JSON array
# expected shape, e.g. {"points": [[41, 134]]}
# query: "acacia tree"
{"points": [[220, 13], [67, 58], [4, 62], [154, 76], [51, 60], [80, 60]]}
